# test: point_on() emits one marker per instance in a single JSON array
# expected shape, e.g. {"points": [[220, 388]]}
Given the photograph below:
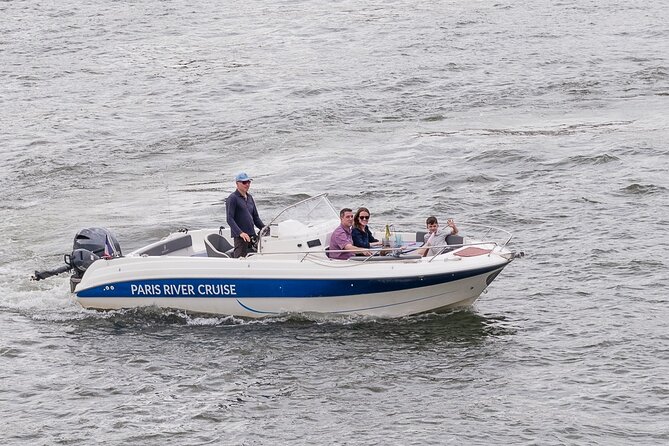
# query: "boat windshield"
{"points": [[311, 211]]}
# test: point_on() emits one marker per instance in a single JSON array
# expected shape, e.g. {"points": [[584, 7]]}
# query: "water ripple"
{"points": [[523, 116]]}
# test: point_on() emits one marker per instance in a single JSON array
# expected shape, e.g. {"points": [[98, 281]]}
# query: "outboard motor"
{"points": [[90, 244], [96, 240]]}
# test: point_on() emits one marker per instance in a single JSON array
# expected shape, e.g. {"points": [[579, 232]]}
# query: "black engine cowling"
{"points": [[90, 245], [95, 240]]}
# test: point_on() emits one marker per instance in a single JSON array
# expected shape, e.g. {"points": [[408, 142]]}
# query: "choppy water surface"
{"points": [[547, 119]]}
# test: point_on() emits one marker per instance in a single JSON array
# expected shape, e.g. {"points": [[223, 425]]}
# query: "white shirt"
{"points": [[437, 239]]}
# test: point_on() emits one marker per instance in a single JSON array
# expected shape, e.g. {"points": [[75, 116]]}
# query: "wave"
{"points": [[581, 160], [481, 178], [502, 156], [584, 160], [558, 130], [653, 74], [643, 189]]}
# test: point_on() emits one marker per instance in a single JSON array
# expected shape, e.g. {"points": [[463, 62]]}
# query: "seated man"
{"points": [[436, 236], [341, 239]]}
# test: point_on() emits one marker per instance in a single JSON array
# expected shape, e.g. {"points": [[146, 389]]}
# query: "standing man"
{"points": [[242, 215], [342, 240]]}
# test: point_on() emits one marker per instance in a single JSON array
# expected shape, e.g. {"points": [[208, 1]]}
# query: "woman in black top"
{"points": [[362, 236]]}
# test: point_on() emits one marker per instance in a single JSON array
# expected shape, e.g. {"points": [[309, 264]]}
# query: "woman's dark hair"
{"points": [[356, 217]]}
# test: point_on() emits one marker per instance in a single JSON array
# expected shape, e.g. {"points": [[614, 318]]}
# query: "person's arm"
{"points": [[363, 251], [337, 240], [342, 243], [230, 205], [370, 237], [454, 228]]}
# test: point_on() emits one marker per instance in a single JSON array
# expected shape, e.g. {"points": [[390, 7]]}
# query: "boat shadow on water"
{"points": [[461, 326]]}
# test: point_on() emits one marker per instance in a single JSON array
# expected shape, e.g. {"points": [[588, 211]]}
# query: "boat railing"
{"points": [[441, 249], [488, 230], [389, 253], [481, 239]]}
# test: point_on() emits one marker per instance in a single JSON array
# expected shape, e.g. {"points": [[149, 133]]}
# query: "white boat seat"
{"points": [[218, 246]]}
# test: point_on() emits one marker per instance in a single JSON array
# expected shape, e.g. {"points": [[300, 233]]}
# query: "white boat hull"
{"points": [[248, 288]]}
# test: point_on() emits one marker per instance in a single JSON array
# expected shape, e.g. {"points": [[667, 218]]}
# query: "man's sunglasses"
{"points": [[245, 182]]}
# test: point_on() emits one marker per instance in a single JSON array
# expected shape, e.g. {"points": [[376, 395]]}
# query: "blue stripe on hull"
{"points": [[269, 288]]}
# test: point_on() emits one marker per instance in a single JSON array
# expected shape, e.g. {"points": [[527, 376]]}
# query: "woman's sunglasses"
{"points": [[364, 217]]}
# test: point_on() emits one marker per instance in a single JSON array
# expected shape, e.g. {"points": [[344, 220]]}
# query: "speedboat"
{"points": [[289, 272]]}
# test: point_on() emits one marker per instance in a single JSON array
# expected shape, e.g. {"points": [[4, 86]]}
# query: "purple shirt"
{"points": [[338, 240]]}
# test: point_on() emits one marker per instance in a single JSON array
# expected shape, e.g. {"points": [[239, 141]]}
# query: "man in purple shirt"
{"points": [[242, 215], [341, 239]]}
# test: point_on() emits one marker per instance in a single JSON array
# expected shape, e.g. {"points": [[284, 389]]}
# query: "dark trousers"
{"points": [[241, 248]]}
